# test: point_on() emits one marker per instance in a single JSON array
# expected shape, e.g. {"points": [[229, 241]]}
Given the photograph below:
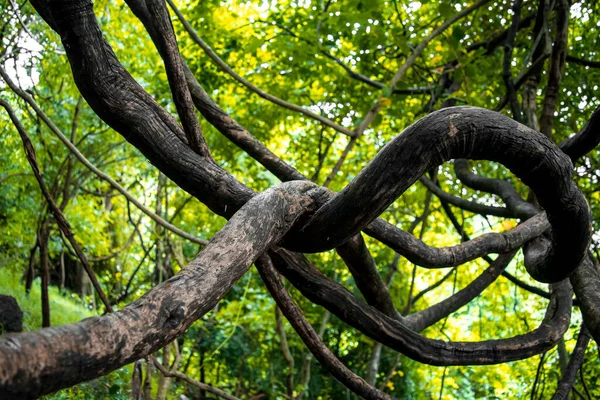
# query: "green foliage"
{"points": [[285, 48], [66, 307]]}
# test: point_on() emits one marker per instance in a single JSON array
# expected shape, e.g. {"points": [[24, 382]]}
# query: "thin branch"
{"points": [[183, 377], [25, 96], [557, 63], [422, 319], [308, 335], [581, 61], [285, 350], [466, 205], [374, 111], [226, 68], [568, 380], [508, 55], [62, 222]]}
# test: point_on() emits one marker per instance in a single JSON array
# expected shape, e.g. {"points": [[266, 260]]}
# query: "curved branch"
{"points": [[98, 345], [504, 189], [122, 105], [568, 380], [585, 140], [426, 256], [452, 133], [465, 204], [400, 337], [114, 95]]}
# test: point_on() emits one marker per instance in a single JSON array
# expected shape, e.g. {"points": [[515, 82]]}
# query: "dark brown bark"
{"points": [[426, 256], [585, 140], [223, 201], [504, 189], [44, 272], [465, 204], [364, 270], [400, 337], [586, 285], [568, 380], [167, 41], [308, 335], [102, 344], [557, 63], [529, 155]]}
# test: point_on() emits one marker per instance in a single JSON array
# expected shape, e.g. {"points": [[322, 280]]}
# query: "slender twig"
{"points": [[226, 68], [25, 96], [410, 61], [62, 222], [183, 377]]}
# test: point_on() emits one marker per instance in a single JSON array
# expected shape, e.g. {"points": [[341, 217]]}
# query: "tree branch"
{"points": [[226, 68], [308, 335], [61, 221], [183, 377], [568, 380], [175, 73], [25, 96]]}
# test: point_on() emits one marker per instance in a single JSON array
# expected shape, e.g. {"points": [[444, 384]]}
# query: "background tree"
{"points": [[301, 91]]}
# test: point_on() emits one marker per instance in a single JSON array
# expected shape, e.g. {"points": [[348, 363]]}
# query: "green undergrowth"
{"points": [[65, 308]]}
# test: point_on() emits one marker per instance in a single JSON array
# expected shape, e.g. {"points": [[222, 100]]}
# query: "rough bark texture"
{"points": [[453, 133], [28, 367], [303, 217], [399, 336]]}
